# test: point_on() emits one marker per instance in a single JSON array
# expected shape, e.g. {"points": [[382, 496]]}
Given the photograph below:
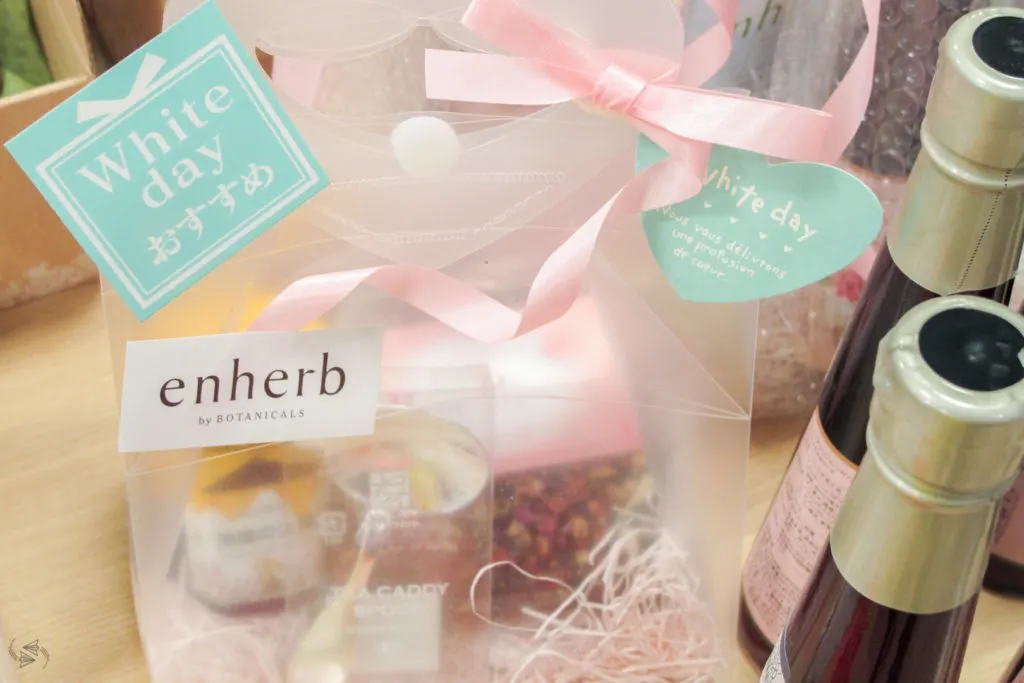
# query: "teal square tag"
{"points": [[171, 161]]}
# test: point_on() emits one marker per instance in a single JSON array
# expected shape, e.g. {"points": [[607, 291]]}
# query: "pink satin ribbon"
{"points": [[661, 101], [553, 65]]}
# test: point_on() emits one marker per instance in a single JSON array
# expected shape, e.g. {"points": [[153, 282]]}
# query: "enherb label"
{"points": [[171, 161], [249, 387]]}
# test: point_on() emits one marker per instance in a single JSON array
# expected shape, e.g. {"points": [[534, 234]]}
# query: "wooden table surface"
{"points": [[64, 578]]}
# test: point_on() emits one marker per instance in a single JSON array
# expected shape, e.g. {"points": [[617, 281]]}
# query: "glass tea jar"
{"points": [[407, 526]]}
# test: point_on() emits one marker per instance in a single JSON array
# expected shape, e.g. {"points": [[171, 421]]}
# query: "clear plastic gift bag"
{"points": [[566, 505]]}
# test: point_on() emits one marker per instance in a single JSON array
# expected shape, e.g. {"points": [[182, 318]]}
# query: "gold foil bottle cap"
{"points": [[947, 417], [945, 441], [976, 104], [960, 225]]}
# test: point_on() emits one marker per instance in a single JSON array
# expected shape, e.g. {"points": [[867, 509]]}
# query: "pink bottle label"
{"points": [[796, 529], [1009, 540]]}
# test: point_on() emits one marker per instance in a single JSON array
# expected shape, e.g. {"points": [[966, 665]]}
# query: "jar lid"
{"points": [[414, 463]]}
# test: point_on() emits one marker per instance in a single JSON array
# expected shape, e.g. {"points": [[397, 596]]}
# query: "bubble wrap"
{"points": [[797, 336], [909, 34]]}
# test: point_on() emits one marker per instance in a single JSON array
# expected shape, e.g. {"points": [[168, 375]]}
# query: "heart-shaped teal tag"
{"points": [[755, 230]]}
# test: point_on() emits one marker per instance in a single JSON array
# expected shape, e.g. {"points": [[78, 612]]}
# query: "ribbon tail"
{"points": [[771, 128], [850, 99], [489, 78], [708, 53], [560, 278], [670, 181], [441, 296], [469, 311]]}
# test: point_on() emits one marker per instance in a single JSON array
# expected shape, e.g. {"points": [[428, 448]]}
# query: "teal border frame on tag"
{"points": [[87, 227]]}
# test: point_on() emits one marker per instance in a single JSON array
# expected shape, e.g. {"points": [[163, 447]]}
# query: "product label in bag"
{"points": [[171, 161], [253, 387], [263, 553], [796, 529], [398, 628]]}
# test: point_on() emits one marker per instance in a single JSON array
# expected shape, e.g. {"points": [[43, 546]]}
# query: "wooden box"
{"points": [[37, 253]]}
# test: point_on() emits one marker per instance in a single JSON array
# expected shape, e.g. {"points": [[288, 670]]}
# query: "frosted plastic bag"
{"points": [[615, 436], [236, 550]]}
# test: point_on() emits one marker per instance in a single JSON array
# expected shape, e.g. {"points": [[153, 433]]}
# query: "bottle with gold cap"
{"points": [[892, 597], [959, 230]]}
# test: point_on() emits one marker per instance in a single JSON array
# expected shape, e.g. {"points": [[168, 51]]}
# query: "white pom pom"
{"points": [[425, 146]]}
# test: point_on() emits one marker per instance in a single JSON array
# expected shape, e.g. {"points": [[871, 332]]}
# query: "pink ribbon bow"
{"points": [[552, 65], [659, 99]]}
